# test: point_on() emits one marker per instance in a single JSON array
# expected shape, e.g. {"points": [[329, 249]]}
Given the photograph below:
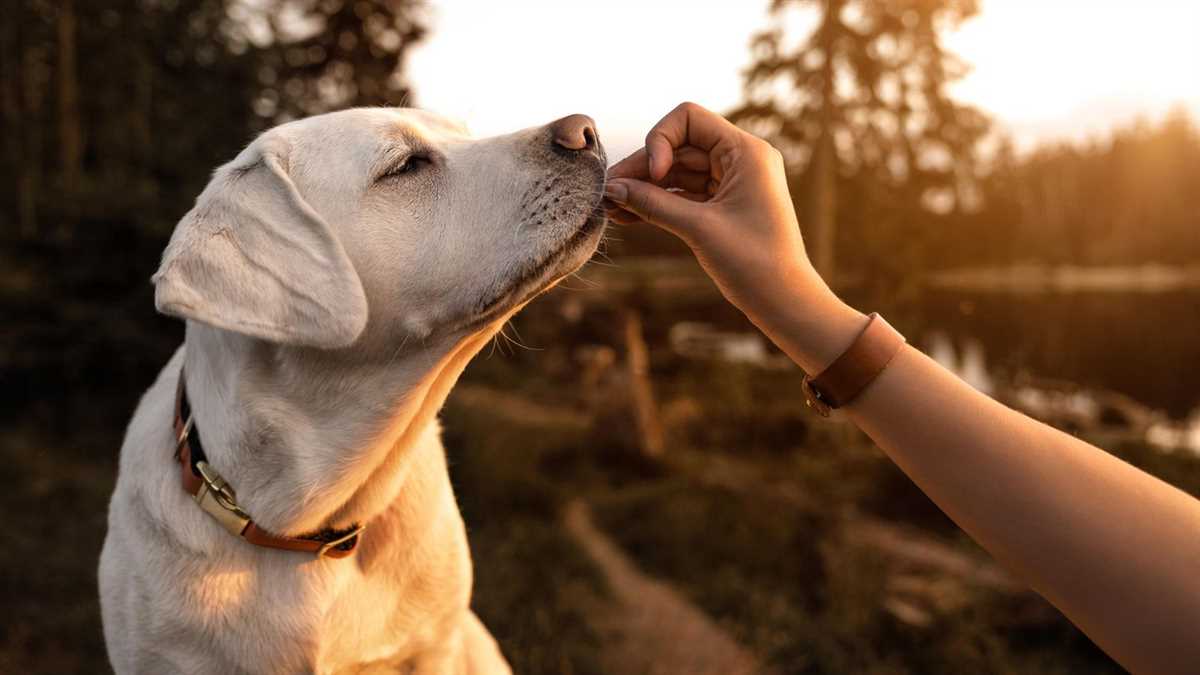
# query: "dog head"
{"points": [[389, 221]]}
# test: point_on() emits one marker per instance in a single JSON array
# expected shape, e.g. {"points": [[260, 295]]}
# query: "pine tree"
{"points": [[113, 114], [332, 54], [862, 100]]}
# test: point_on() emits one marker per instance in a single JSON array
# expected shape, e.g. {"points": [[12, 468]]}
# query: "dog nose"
{"points": [[574, 132]]}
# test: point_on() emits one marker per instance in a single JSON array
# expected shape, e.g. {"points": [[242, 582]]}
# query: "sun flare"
{"points": [[1043, 70], [1071, 68]]}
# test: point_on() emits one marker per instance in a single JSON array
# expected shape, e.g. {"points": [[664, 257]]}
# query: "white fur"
{"points": [[329, 314]]}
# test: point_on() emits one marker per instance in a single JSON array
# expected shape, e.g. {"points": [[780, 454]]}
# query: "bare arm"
{"points": [[1117, 550]]}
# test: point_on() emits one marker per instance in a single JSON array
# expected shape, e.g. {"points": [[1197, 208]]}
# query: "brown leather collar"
{"points": [[218, 500]]}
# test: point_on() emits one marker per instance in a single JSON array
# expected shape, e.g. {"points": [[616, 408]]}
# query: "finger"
{"points": [[691, 157], [654, 204], [620, 216], [687, 124], [615, 213], [679, 177], [623, 217], [692, 196], [633, 166]]}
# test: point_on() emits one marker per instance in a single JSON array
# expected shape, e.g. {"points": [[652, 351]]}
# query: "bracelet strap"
{"points": [[856, 368]]}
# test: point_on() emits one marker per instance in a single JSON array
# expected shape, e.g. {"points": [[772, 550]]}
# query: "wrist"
{"points": [[810, 323]]}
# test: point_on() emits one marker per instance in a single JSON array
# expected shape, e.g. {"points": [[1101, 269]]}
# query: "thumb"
{"points": [[653, 204]]}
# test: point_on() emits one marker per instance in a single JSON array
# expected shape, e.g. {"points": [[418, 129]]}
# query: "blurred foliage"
{"points": [[534, 589], [898, 178], [56, 507], [333, 54], [115, 112], [745, 519], [1129, 199], [753, 535], [860, 112], [808, 602]]}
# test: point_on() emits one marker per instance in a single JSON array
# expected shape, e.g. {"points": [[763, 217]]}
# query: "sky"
{"points": [[1045, 69]]}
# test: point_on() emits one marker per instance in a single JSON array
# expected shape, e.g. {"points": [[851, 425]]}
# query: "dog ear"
{"points": [[253, 257]]}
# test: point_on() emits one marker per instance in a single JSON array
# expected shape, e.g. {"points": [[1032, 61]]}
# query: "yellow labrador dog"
{"points": [[283, 504]]}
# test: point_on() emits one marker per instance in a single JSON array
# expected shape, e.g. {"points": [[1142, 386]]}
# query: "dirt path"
{"points": [[654, 630]]}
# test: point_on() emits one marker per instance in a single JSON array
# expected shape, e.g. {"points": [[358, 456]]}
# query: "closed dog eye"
{"points": [[410, 164]]}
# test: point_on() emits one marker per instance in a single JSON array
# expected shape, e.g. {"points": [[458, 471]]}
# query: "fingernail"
{"points": [[617, 192]]}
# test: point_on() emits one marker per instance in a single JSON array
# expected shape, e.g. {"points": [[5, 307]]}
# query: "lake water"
{"points": [[1087, 347], [1145, 346]]}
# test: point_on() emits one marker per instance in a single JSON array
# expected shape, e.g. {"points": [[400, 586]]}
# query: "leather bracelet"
{"points": [[855, 369]]}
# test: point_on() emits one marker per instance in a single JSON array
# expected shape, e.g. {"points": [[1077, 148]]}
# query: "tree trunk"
{"points": [[641, 394], [824, 207], [70, 133], [143, 115], [825, 161], [34, 74], [10, 103]]}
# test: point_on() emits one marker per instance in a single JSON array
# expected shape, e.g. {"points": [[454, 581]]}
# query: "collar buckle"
{"points": [[217, 499]]}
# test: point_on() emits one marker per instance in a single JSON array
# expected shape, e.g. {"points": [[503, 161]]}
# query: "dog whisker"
{"points": [[605, 263], [520, 340], [590, 283]]}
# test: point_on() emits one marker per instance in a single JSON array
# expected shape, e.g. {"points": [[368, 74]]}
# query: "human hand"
{"points": [[724, 192]]}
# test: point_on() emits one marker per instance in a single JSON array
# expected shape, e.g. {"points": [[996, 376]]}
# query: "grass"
{"points": [[55, 503], [780, 579], [745, 519], [744, 516], [533, 588]]}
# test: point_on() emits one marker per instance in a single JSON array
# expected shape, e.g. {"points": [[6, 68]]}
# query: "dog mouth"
{"points": [[544, 272]]}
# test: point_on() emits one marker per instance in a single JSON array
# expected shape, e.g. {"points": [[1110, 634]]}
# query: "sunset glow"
{"points": [[1066, 68], [1072, 67]]}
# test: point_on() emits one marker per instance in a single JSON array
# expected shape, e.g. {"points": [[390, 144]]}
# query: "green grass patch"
{"points": [[534, 589], [779, 578]]}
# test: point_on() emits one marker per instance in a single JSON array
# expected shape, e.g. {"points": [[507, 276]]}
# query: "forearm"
{"points": [[1115, 549]]}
